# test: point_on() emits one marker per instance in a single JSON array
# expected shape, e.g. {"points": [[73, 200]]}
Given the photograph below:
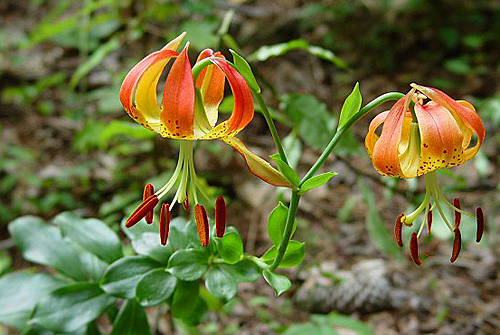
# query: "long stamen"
{"points": [[398, 231], [142, 211], [220, 216], [414, 249], [164, 223], [480, 224], [408, 219], [171, 182], [202, 223], [149, 190], [457, 245], [458, 216], [429, 219]]}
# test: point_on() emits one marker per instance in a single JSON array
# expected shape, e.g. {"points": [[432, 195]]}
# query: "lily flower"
{"points": [[189, 112], [419, 138]]}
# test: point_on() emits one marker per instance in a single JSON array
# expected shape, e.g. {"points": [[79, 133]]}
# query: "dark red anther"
{"points": [[414, 248], [202, 223], [186, 203], [141, 211], [220, 216], [458, 216], [398, 230], [429, 219], [480, 224], [457, 245], [149, 190], [164, 223]]}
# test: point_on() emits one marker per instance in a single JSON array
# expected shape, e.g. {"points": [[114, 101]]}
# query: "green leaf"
{"points": [[230, 247], [376, 227], [123, 128], [71, 307], [19, 292], [155, 287], [351, 106], [245, 70], [188, 265], [349, 323], [287, 171], [310, 119], [221, 283], [310, 328], [131, 320], [148, 244], [276, 223], [316, 181], [294, 254], [243, 271], [94, 60], [92, 235], [122, 276], [269, 51], [43, 244], [278, 282], [186, 296], [183, 234]]}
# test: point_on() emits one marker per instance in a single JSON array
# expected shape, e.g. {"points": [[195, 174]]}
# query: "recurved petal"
{"points": [[385, 156], [177, 116], [147, 65], [211, 82], [463, 112], [441, 138], [371, 137], [243, 103], [258, 166], [175, 43]]}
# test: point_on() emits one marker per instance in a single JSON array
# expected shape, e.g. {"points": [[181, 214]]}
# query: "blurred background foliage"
{"points": [[66, 143]]}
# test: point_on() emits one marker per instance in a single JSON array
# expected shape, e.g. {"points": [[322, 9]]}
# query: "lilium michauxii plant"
{"points": [[189, 112], [417, 139]]}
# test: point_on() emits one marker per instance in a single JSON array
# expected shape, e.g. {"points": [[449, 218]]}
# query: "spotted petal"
{"points": [[385, 155], [177, 116], [465, 115], [441, 138], [243, 110]]}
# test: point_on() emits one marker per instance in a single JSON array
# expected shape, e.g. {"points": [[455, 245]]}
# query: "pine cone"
{"points": [[365, 289]]}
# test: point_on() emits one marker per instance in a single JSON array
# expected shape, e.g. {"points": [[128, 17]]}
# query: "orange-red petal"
{"points": [[243, 110], [441, 138], [211, 82], [385, 154], [462, 111], [177, 115], [131, 81]]}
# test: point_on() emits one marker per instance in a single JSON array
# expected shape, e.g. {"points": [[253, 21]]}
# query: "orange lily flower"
{"points": [[189, 112], [417, 139]]}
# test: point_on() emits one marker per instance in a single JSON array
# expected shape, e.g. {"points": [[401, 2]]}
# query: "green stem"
{"points": [[204, 63], [270, 124], [294, 202], [287, 234], [341, 131]]}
